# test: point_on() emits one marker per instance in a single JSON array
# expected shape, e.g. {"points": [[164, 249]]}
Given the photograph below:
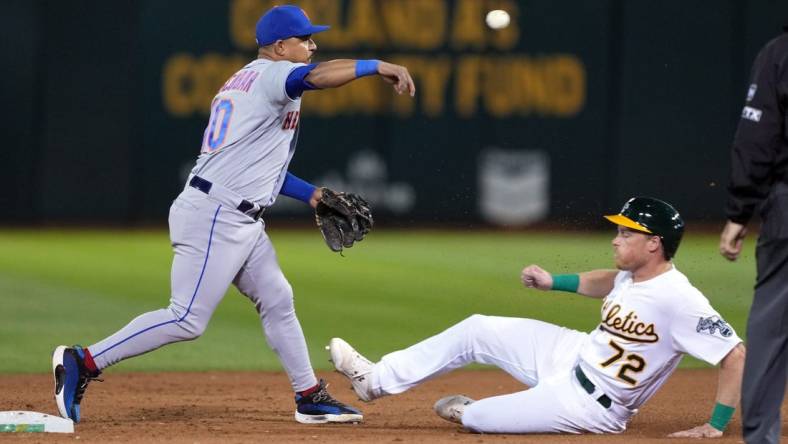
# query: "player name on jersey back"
{"points": [[241, 81]]}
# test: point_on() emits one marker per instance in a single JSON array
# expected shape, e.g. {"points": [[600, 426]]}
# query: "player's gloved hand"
{"points": [[703, 431], [533, 276], [343, 218]]}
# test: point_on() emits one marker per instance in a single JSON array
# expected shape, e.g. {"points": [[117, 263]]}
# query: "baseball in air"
{"points": [[497, 19]]}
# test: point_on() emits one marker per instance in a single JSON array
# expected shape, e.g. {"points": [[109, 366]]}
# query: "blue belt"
{"points": [[589, 387], [245, 206]]}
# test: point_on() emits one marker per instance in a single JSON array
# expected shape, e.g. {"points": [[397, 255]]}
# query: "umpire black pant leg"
{"points": [[766, 365]]}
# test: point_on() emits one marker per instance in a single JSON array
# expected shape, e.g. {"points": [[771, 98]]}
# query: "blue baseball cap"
{"points": [[283, 22]]}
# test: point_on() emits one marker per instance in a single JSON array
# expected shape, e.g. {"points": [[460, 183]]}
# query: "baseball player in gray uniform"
{"points": [[215, 227], [580, 382]]}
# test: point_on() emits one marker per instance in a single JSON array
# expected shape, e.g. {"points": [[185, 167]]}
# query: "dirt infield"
{"points": [[254, 407]]}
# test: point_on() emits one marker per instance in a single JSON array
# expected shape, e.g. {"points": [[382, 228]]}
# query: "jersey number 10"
{"points": [[220, 117]]}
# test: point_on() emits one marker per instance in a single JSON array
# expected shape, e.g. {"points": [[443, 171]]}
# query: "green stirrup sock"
{"points": [[721, 416]]}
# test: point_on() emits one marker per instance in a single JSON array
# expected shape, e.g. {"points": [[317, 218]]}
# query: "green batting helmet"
{"points": [[653, 216]]}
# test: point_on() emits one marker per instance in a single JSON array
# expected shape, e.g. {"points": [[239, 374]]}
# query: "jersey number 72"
{"points": [[636, 363]]}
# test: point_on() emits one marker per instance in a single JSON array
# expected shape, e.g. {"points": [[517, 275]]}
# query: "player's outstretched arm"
{"points": [[335, 73], [728, 393], [595, 284]]}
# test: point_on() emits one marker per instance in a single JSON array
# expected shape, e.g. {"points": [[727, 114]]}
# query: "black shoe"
{"points": [[319, 407]]}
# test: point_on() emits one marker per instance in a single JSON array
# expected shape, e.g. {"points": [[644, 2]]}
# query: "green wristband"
{"points": [[721, 416], [566, 282]]}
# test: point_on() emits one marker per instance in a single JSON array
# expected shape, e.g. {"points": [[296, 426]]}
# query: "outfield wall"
{"points": [[560, 117]]}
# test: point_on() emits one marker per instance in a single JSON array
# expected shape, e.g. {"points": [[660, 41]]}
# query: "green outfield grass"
{"points": [[395, 288]]}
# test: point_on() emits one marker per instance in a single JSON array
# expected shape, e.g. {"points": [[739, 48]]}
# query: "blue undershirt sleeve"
{"points": [[297, 188], [296, 83]]}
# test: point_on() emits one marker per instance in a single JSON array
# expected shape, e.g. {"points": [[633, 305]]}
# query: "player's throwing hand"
{"points": [[534, 276], [398, 76]]}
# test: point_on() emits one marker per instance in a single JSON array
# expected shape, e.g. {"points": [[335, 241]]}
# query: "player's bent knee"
{"points": [[192, 330], [280, 299], [476, 319], [286, 292], [477, 323], [190, 326]]}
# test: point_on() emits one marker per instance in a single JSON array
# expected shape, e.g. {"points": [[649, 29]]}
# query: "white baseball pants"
{"points": [[536, 353]]}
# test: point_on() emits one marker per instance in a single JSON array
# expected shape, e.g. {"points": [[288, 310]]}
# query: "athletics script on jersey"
{"points": [[626, 326]]}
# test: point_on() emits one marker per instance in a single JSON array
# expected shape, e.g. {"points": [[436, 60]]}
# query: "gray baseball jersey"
{"points": [[252, 133]]}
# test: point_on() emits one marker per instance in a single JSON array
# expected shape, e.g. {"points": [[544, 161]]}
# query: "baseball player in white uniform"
{"points": [[215, 227], [580, 382]]}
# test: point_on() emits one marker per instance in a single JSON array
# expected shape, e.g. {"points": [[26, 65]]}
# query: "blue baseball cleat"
{"points": [[319, 408], [71, 379]]}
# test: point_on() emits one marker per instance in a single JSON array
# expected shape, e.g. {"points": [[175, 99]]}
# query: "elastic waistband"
{"points": [[227, 197]]}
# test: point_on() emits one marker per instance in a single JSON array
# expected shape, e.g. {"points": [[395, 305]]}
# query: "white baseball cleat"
{"points": [[452, 407], [352, 364]]}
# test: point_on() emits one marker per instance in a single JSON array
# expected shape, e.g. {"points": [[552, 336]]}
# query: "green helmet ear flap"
{"points": [[653, 216]]}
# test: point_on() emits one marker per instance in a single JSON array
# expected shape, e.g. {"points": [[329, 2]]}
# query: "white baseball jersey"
{"points": [[252, 133], [646, 328]]}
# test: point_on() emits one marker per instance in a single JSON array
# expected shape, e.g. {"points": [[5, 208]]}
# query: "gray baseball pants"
{"points": [[216, 245]]}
